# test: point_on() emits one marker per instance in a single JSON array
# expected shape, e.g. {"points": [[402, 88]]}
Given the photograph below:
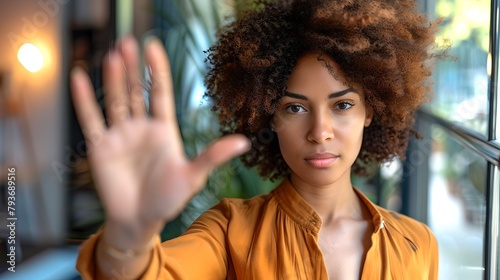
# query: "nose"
{"points": [[320, 129]]}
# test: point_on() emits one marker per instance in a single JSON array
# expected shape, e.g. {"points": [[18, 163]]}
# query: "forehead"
{"points": [[316, 71]]}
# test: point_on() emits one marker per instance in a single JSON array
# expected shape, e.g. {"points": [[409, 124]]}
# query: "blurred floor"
{"points": [[460, 241], [51, 264]]}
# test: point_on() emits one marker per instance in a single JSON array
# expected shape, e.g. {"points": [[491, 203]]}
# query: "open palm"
{"points": [[137, 161]]}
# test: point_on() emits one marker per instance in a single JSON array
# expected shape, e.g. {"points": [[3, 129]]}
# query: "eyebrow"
{"points": [[330, 96]]}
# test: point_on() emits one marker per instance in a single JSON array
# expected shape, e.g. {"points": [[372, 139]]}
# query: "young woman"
{"points": [[337, 83]]}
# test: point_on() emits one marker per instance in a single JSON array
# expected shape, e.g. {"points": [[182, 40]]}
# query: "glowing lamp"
{"points": [[30, 57]]}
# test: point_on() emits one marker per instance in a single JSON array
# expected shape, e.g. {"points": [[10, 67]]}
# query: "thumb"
{"points": [[218, 153]]}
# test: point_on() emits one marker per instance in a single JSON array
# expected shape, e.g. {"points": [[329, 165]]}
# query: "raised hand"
{"points": [[137, 162]]}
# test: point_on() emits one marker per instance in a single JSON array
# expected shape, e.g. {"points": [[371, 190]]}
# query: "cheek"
{"points": [[288, 141], [290, 144], [351, 132], [282, 122], [351, 129]]}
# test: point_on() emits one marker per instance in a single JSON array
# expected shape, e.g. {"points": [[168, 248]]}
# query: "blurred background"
{"points": [[450, 179]]}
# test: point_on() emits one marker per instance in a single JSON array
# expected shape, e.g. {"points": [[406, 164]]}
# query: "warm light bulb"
{"points": [[30, 57]]}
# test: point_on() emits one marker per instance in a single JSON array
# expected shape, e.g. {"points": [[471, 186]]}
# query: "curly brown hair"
{"points": [[383, 47]]}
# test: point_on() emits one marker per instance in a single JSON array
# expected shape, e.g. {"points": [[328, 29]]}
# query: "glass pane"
{"points": [[390, 196], [384, 187], [497, 136], [457, 207], [461, 83]]}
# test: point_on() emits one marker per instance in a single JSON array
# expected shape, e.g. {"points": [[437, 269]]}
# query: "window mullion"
{"points": [[492, 223], [494, 57]]}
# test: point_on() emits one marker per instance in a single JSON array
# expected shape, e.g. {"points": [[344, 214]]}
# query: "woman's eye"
{"points": [[294, 109], [343, 106]]}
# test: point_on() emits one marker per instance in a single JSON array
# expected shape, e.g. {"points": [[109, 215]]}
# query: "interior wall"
{"points": [[34, 137]]}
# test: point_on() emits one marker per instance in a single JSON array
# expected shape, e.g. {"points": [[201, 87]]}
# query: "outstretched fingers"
{"points": [[116, 94], [162, 90], [129, 50], [87, 109], [217, 154]]}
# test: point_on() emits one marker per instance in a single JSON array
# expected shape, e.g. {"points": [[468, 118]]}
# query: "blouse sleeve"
{"points": [[199, 253]]}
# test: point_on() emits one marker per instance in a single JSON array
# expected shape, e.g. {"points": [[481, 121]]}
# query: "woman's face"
{"points": [[319, 123]]}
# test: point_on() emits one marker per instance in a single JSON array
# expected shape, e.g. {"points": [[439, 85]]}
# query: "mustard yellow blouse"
{"points": [[275, 236]]}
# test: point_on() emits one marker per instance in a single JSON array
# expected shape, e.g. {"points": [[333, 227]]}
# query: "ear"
{"points": [[271, 123], [369, 116]]}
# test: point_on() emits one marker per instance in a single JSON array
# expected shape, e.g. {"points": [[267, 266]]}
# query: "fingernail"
{"points": [[246, 145], [126, 41], [112, 56], [150, 39], [77, 70], [112, 53], [124, 38]]}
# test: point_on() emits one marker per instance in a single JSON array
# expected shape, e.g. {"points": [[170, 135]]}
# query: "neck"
{"points": [[332, 201]]}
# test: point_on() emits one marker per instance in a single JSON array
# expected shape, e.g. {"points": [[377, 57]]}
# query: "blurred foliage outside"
{"points": [[464, 21], [461, 84]]}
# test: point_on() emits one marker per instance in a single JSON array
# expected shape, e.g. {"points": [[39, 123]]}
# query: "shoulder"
{"points": [[246, 202], [231, 217], [404, 223], [228, 213], [414, 242], [417, 234], [401, 228], [238, 208], [407, 226]]}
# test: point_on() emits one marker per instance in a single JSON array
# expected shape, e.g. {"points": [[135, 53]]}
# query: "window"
{"points": [[451, 178]]}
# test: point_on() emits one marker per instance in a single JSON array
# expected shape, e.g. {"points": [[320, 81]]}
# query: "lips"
{"points": [[321, 160]]}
